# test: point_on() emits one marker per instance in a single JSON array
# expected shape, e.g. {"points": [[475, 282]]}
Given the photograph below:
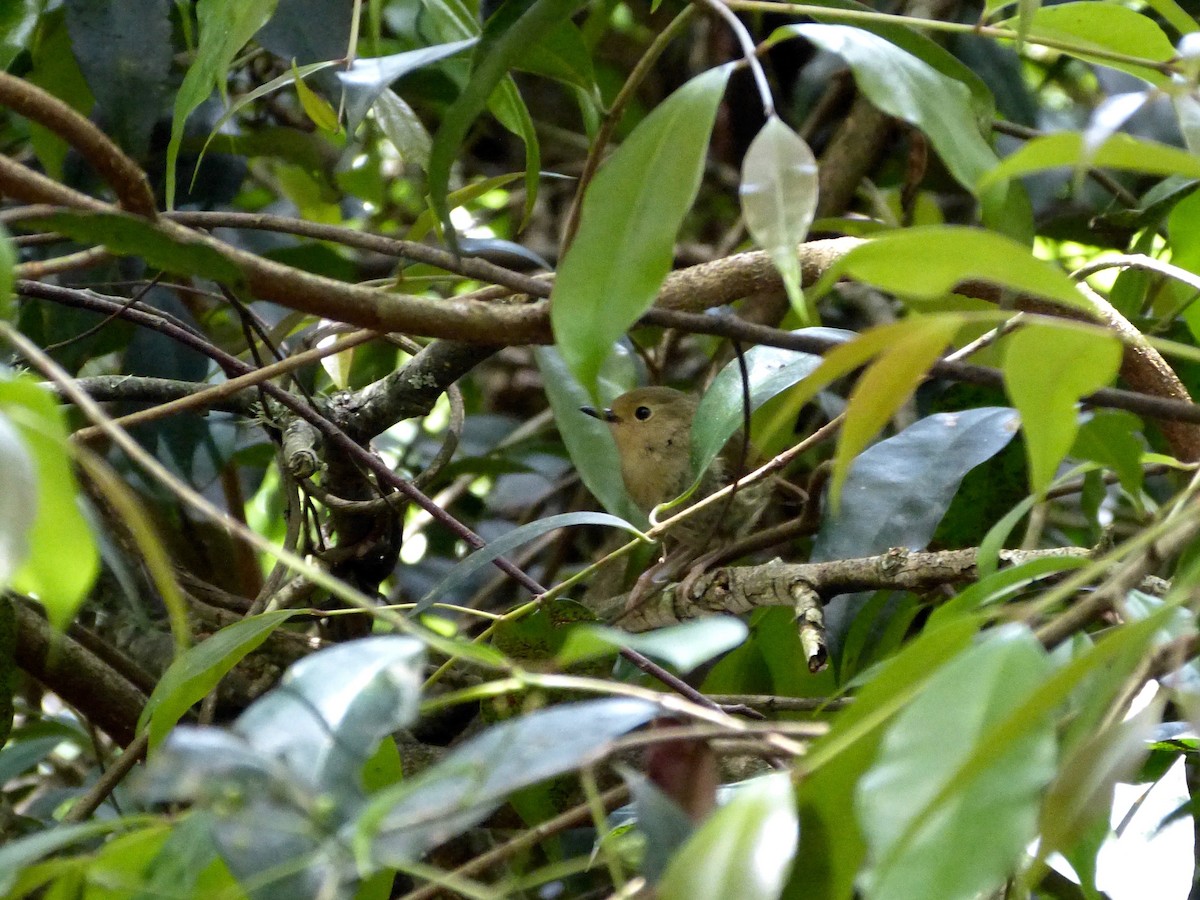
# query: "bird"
{"points": [[652, 427]]}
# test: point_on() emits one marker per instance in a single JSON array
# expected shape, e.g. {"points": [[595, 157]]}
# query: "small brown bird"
{"points": [[653, 430]]}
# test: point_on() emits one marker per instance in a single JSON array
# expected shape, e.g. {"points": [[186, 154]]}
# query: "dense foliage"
{"points": [[318, 583]]}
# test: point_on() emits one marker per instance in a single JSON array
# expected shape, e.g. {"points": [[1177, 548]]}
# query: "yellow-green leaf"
{"points": [[1047, 368]]}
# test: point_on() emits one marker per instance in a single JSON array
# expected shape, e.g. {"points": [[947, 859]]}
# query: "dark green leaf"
{"points": [[124, 50], [488, 71], [898, 490]]}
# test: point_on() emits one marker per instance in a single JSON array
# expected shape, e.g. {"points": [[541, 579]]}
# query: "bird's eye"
{"points": [[642, 413]]}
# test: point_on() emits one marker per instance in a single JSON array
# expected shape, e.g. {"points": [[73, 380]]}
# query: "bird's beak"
{"points": [[604, 415]]}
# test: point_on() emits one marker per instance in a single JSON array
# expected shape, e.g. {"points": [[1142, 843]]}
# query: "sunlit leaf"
{"points": [[743, 850], [1046, 371], [779, 200], [928, 262], [322, 113], [978, 834], [1121, 151], [62, 561], [1080, 26], [631, 215], [887, 385], [682, 647]]}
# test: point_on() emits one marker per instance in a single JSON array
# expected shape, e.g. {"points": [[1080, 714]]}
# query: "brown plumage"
{"points": [[652, 427]]}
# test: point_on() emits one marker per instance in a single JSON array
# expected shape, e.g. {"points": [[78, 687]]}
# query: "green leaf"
{"points": [[318, 109], [1001, 585], [1046, 370], [1121, 151], [63, 561], [427, 221], [488, 71], [403, 128], [18, 499], [928, 262], [833, 848], [562, 55], [589, 441], [1110, 437], [977, 834], [17, 23], [770, 371], [744, 850], [332, 709], [631, 215], [908, 88], [225, 27], [779, 201], [17, 854], [683, 647], [886, 386], [196, 672], [401, 824], [464, 571], [8, 260], [128, 235], [1080, 26]]}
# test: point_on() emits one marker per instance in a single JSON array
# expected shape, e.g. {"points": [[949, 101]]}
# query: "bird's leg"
{"points": [[655, 578]]}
